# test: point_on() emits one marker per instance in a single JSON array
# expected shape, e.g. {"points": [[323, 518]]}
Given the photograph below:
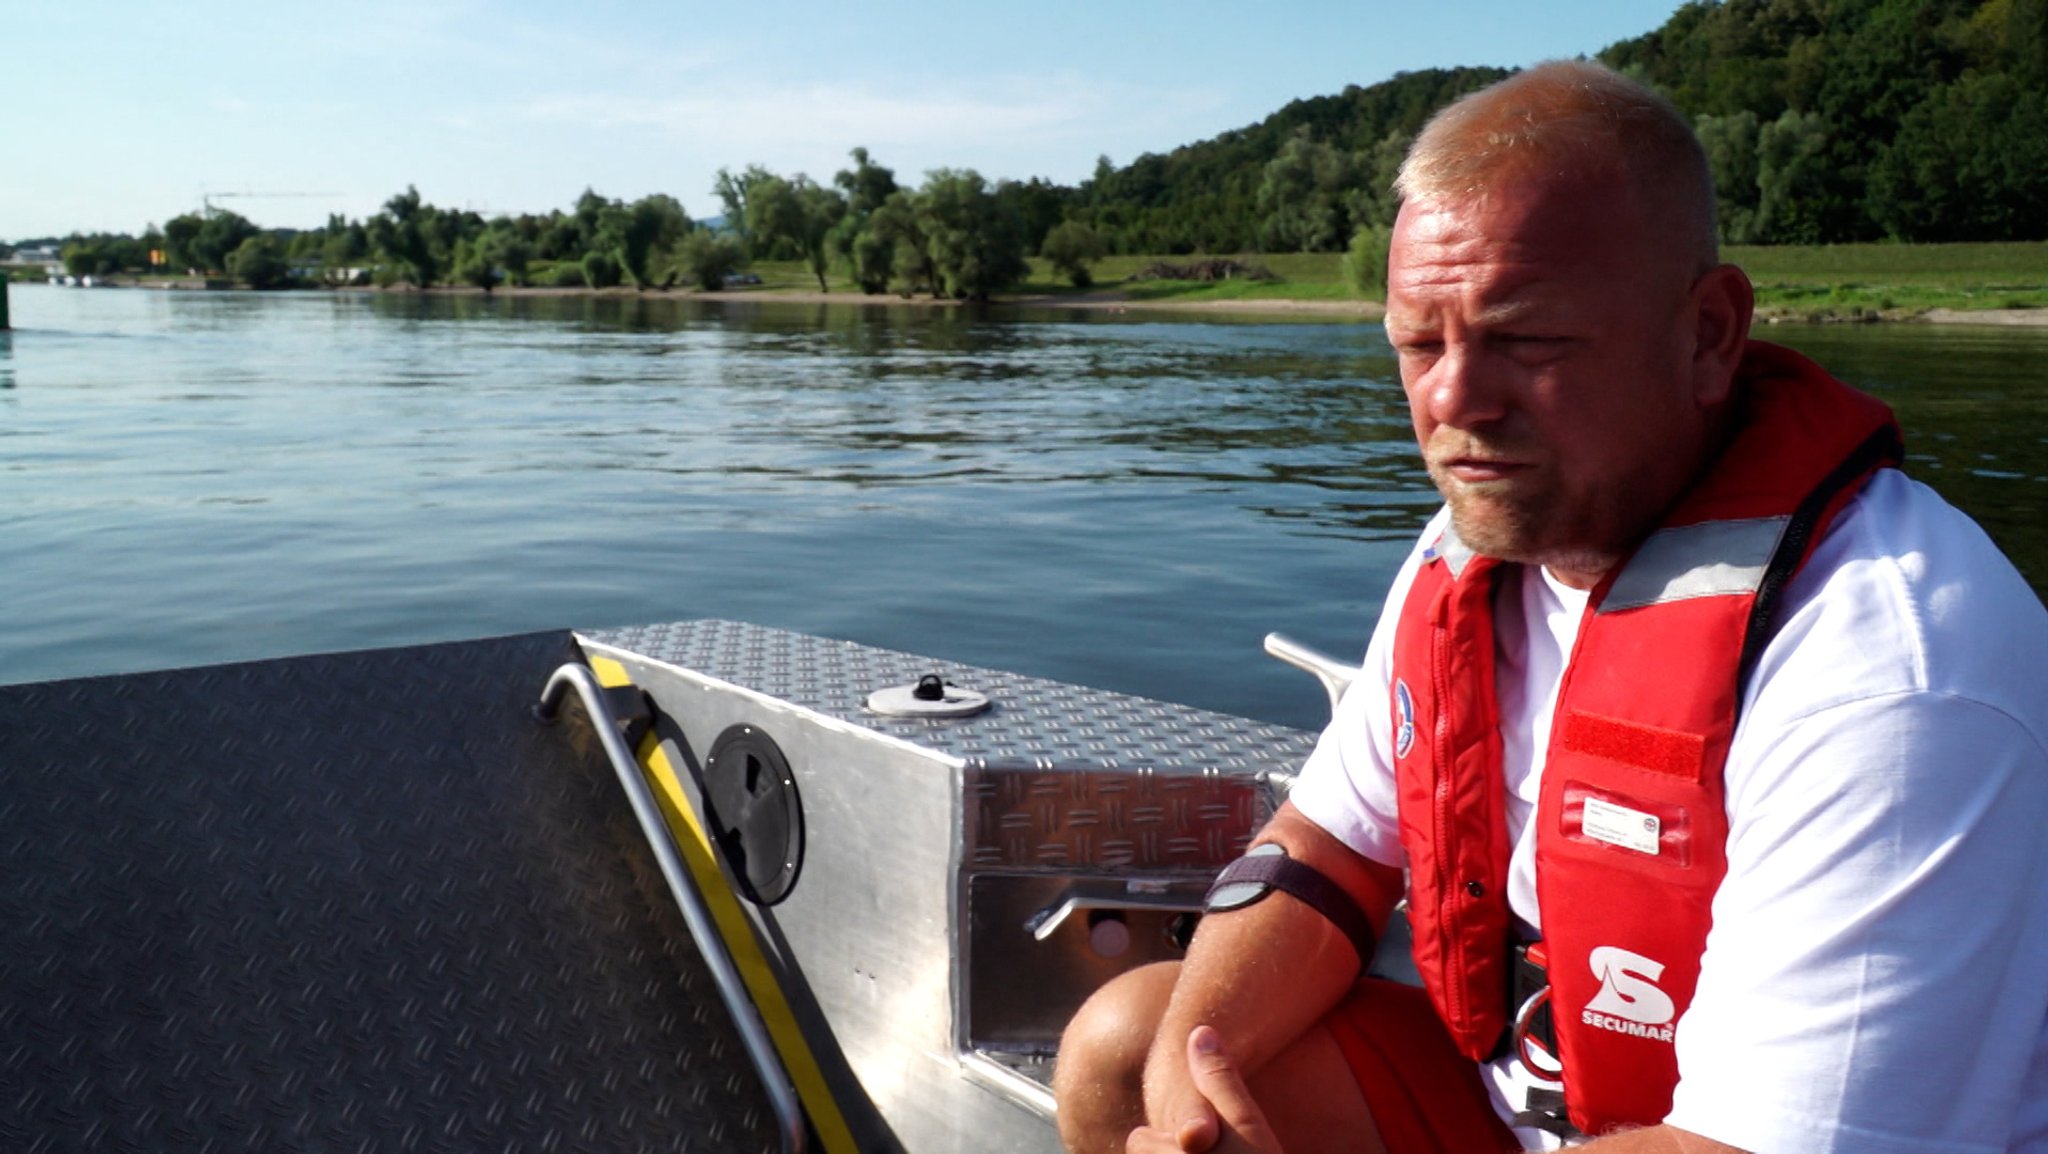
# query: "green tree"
{"points": [[408, 234], [1037, 205], [793, 218], [708, 256], [181, 236], [1374, 202], [475, 264], [85, 258], [587, 217], [507, 248], [1073, 247], [345, 247], [1792, 177], [868, 250], [633, 234], [260, 263], [1205, 196], [1909, 118], [305, 247], [975, 246], [734, 192], [772, 219], [899, 224], [601, 269], [1731, 146], [559, 238], [1365, 262], [823, 209], [202, 243], [1970, 163], [867, 185], [1306, 195]]}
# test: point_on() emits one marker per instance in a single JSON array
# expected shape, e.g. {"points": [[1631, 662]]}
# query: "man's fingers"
{"points": [[1217, 1077], [1146, 1140], [1190, 1122]]}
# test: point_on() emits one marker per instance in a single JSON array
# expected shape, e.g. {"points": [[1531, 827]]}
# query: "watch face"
{"points": [[1234, 894]]}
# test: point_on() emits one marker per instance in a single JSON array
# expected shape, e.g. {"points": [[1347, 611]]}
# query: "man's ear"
{"points": [[1723, 303]]}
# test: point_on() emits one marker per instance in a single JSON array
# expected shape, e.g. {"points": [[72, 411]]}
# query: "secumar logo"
{"points": [[1629, 1001], [1404, 714]]}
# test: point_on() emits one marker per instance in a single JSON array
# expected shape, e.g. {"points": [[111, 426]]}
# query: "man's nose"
{"points": [[1464, 389]]}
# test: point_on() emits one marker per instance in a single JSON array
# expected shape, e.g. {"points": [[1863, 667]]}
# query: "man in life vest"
{"points": [[1709, 751]]}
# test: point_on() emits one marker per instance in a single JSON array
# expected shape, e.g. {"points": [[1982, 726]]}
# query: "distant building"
{"points": [[43, 257]]}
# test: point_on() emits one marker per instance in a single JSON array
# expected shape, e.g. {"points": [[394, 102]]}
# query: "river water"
{"points": [[1120, 500]]}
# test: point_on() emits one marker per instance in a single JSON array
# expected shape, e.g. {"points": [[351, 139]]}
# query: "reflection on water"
{"points": [[1109, 499], [1974, 406]]}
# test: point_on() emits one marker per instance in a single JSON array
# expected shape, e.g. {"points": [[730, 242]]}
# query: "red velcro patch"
{"points": [[1668, 751]]}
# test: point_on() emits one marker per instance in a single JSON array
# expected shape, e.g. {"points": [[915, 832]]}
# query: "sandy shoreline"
{"points": [[1099, 302], [2005, 318], [1117, 302]]}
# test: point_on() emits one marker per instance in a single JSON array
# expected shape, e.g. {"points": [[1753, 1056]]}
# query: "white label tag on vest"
{"points": [[1622, 826]]}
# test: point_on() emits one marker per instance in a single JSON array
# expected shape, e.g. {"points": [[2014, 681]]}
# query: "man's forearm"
{"points": [[1264, 974]]}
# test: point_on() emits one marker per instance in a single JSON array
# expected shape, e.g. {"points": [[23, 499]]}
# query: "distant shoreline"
{"points": [[1115, 301]]}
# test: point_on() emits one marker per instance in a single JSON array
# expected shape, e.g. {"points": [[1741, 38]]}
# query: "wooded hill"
{"points": [[1825, 121], [1300, 180]]}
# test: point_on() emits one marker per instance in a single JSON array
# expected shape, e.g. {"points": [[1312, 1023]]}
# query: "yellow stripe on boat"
{"points": [[737, 930]]}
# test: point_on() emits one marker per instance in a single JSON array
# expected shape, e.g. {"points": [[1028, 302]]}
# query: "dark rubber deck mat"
{"points": [[343, 904]]}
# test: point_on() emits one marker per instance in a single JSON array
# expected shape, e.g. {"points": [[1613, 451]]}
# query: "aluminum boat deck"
{"points": [[366, 902]]}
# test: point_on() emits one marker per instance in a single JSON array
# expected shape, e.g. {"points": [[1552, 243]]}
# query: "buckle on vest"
{"points": [[1532, 1035], [1546, 1111]]}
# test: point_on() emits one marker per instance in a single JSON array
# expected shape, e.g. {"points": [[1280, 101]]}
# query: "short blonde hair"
{"points": [[1569, 120]]}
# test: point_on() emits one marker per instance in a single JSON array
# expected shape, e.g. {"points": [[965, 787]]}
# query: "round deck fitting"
{"points": [[754, 812], [932, 696]]}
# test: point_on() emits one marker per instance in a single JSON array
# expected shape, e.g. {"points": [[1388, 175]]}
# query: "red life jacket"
{"points": [[1631, 828]]}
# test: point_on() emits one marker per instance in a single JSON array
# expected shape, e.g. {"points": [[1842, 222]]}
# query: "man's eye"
{"points": [[1534, 347]]}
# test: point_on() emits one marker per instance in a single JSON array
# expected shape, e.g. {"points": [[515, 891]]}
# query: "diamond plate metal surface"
{"points": [[1119, 820], [1057, 777], [1034, 721], [350, 903]]}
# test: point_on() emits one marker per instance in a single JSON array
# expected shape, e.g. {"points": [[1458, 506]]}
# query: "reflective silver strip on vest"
{"points": [[1454, 551], [1710, 559]]}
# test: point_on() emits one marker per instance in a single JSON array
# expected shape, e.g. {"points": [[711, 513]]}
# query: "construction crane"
{"points": [[206, 199]]}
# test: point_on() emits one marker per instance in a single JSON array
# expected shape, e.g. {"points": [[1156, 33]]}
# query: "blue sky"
{"points": [[117, 115]]}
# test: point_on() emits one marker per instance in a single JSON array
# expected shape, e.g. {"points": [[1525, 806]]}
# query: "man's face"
{"points": [[1545, 338]]}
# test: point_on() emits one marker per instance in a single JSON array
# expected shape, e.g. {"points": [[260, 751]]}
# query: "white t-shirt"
{"points": [[1876, 978]]}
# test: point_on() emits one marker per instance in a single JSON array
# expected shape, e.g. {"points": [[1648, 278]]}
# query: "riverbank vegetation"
{"points": [[1848, 282], [1871, 156]]}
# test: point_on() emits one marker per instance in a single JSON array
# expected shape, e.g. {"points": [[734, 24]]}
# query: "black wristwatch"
{"points": [[1266, 867]]}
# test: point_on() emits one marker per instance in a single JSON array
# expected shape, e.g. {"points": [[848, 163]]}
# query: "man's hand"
{"points": [[1232, 1123]]}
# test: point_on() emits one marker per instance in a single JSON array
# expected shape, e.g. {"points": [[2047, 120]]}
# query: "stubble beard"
{"points": [[1531, 525]]}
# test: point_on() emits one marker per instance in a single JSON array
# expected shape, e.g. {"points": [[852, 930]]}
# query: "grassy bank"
{"points": [[1862, 281], [1833, 282], [1303, 276], [1849, 280]]}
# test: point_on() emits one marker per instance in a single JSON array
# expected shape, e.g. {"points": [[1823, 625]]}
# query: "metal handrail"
{"points": [[1335, 675], [731, 987], [1107, 894]]}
